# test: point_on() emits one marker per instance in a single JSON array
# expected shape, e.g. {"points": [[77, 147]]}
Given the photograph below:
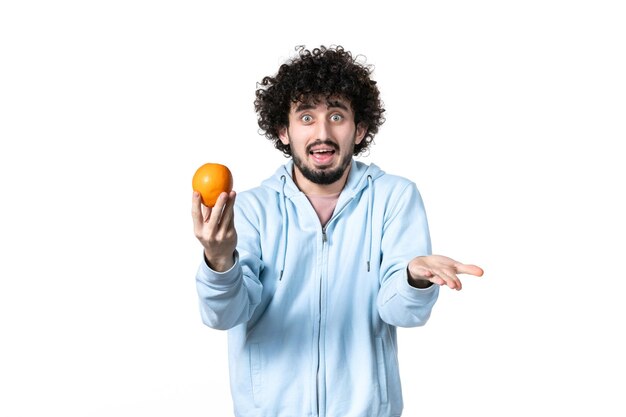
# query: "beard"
{"points": [[323, 176]]}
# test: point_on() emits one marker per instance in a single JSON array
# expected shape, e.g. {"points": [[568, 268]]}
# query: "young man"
{"points": [[313, 271]]}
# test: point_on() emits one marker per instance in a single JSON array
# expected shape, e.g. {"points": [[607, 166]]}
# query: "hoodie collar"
{"points": [[357, 180]]}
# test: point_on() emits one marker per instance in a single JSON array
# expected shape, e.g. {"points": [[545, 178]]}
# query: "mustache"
{"points": [[326, 142]]}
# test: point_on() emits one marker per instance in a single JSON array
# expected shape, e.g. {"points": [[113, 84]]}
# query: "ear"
{"points": [[283, 135], [361, 130]]}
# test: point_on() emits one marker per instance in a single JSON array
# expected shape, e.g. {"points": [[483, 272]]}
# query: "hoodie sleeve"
{"points": [[229, 298], [405, 236]]}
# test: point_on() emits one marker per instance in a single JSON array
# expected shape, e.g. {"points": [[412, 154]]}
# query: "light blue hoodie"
{"points": [[311, 311]]}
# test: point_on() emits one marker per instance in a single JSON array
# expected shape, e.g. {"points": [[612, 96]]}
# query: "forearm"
{"points": [[227, 298], [403, 305]]}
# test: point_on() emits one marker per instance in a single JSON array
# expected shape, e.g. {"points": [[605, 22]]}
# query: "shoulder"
{"points": [[258, 204], [255, 198], [396, 193], [391, 184]]}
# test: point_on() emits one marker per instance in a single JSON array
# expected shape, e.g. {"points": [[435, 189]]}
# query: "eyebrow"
{"points": [[329, 103], [305, 106], [337, 103]]}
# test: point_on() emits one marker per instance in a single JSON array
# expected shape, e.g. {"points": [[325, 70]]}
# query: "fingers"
{"points": [[222, 212], [227, 214], [469, 269], [451, 275], [445, 276], [437, 275], [196, 211], [216, 212], [209, 221], [442, 270], [451, 279]]}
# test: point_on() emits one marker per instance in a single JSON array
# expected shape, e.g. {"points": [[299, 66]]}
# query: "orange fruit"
{"points": [[210, 180]]}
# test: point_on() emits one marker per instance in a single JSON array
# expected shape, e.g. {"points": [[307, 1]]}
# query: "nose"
{"points": [[323, 130]]}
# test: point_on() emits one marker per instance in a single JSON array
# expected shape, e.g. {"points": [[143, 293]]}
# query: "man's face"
{"points": [[322, 136]]}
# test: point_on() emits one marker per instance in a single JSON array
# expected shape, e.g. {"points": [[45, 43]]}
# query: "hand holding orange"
{"points": [[210, 180]]}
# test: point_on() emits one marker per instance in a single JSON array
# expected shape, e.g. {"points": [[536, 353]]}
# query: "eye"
{"points": [[336, 117], [306, 118]]}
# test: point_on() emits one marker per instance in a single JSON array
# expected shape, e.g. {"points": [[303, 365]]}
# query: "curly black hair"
{"points": [[322, 72]]}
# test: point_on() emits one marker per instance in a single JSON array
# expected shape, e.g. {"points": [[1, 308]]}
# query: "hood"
{"points": [[361, 177]]}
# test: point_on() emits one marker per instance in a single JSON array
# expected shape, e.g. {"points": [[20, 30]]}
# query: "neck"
{"points": [[310, 188]]}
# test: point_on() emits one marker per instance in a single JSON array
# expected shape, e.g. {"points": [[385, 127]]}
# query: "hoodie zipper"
{"points": [[320, 305], [319, 324], [318, 385]]}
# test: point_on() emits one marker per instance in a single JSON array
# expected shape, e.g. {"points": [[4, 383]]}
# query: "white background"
{"points": [[509, 116]]}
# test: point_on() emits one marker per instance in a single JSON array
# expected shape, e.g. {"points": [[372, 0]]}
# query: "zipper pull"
{"points": [[324, 237]]}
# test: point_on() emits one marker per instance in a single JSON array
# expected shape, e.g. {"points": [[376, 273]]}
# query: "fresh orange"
{"points": [[210, 180]]}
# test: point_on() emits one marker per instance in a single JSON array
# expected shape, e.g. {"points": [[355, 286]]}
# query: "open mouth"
{"points": [[322, 154]]}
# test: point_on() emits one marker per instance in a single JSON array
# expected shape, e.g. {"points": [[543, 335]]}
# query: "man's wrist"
{"points": [[219, 265], [420, 283]]}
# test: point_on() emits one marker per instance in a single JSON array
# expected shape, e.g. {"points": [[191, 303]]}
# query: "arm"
{"points": [[228, 289], [405, 236], [407, 294]]}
